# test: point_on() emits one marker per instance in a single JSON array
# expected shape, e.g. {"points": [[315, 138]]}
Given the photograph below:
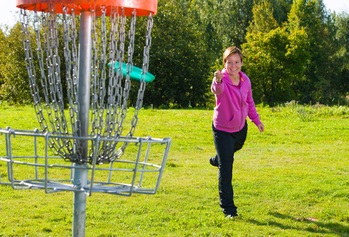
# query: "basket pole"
{"points": [[81, 171]]}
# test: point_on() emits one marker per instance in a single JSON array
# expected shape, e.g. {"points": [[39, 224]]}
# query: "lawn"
{"points": [[291, 180]]}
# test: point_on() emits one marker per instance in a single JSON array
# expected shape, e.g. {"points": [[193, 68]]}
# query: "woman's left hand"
{"points": [[261, 127]]}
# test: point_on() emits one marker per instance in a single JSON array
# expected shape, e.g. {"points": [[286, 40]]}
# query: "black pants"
{"points": [[226, 145]]}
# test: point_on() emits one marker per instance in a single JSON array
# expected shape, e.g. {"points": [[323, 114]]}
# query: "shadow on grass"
{"points": [[316, 226]]}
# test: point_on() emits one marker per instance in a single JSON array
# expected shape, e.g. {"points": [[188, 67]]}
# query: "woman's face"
{"points": [[233, 64]]}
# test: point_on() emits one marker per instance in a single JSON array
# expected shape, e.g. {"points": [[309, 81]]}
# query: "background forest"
{"points": [[294, 51]]}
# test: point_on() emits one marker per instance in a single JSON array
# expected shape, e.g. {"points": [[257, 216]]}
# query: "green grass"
{"points": [[291, 180]]}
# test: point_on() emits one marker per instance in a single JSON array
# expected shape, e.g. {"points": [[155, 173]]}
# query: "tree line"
{"points": [[293, 50]]}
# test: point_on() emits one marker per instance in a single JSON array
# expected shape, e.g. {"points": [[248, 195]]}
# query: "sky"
{"points": [[8, 15]]}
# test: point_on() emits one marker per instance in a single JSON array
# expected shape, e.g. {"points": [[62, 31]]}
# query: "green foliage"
{"points": [[311, 113], [14, 86], [319, 70], [263, 19], [230, 20], [308, 62], [340, 82], [291, 180], [275, 57], [181, 67]]}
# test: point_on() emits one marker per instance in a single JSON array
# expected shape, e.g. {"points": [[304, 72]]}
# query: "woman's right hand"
{"points": [[218, 75]]}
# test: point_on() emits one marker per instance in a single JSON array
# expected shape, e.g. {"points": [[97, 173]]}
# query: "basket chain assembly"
{"points": [[109, 89]]}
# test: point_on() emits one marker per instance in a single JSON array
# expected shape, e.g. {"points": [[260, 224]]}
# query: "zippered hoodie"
{"points": [[233, 104]]}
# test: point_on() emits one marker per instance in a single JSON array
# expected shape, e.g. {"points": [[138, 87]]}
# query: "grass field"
{"points": [[291, 180]]}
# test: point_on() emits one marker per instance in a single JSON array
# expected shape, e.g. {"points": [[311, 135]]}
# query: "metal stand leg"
{"points": [[80, 178]]}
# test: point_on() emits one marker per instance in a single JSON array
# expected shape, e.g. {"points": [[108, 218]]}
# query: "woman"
{"points": [[234, 102]]}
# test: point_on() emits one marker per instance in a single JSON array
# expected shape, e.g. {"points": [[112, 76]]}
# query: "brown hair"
{"points": [[229, 51]]}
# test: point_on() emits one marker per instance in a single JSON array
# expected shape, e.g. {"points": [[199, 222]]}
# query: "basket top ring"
{"points": [[143, 8]]}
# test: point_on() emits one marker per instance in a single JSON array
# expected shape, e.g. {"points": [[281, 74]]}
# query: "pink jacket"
{"points": [[233, 104]]}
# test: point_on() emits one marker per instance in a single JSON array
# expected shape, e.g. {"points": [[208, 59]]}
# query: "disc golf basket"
{"points": [[81, 99]]}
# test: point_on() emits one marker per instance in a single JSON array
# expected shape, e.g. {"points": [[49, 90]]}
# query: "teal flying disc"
{"points": [[135, 73]]}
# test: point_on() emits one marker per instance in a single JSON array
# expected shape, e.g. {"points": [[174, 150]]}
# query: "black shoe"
{"points": [[213, 161]]}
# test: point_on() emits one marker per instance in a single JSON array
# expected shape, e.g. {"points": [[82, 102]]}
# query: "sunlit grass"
{"points": [[291, 180]]}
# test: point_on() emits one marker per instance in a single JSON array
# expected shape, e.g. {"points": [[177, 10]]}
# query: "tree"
{"points": [[281, 9], [263, 40], [294, 50], [14, 86], [178, 58], [273, 56], [311, 15], [3, 54], [229, 19], [340, 82]]}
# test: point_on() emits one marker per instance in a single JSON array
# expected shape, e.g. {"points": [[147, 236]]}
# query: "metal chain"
{"points": [[117, 107], [141, 89], [56, 104], [115, 76], [116, 57], [145, 67], [115, 111], [56, 144], [43, 81], [124, 92], [109, 103], [98, 90], [29, 60], [115, 86], [95, 121], [54, 75], [71, 62]]}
